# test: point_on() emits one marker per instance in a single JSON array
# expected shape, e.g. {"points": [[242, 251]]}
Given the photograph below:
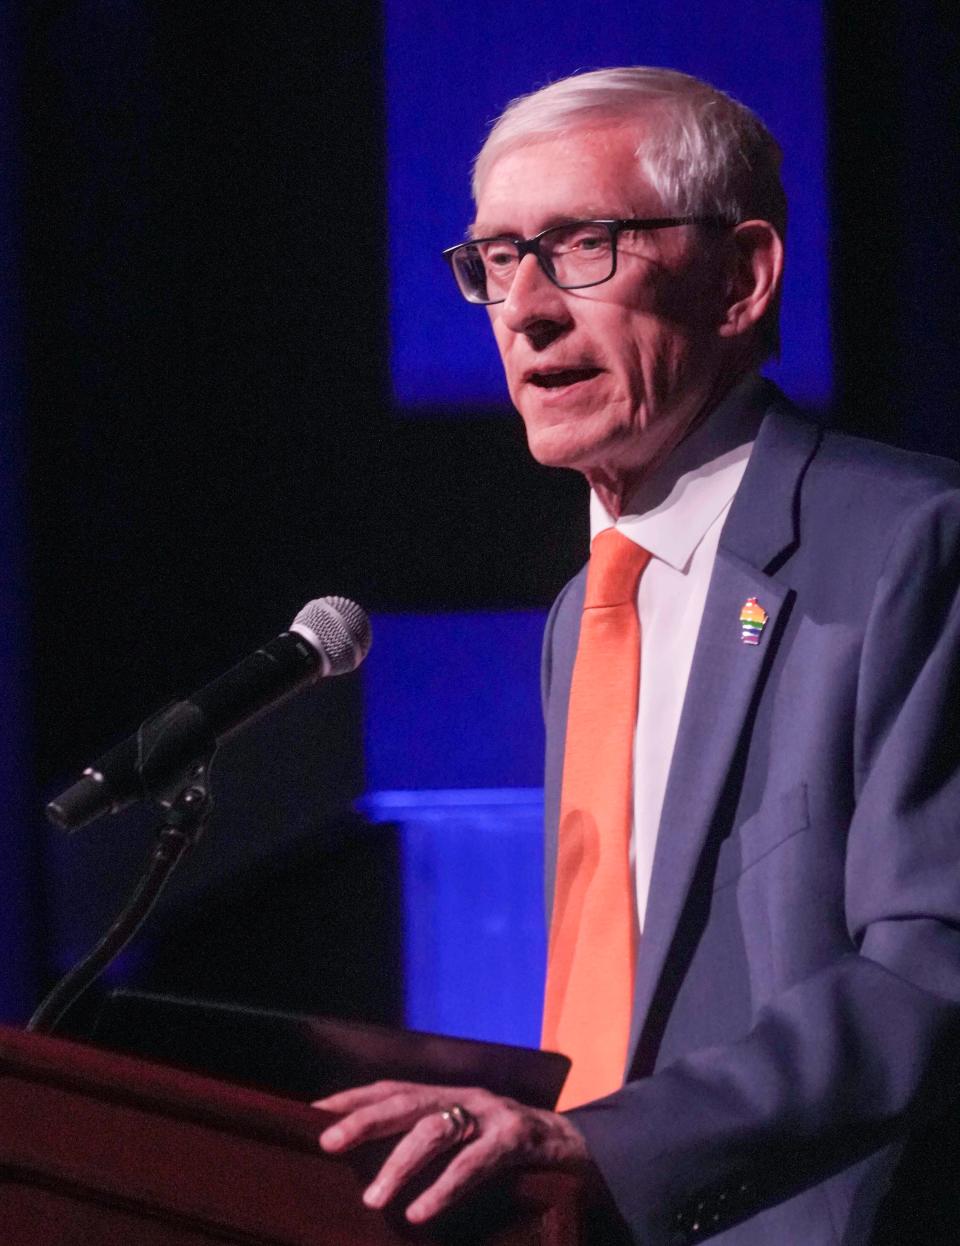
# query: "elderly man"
{"points": [[752, 788]]}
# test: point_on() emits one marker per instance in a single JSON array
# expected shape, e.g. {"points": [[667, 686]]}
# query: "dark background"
{"points": [[211, 439], [209, 436]]}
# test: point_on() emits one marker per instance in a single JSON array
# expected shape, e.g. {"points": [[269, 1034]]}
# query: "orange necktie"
{"points": [[592, 954]]}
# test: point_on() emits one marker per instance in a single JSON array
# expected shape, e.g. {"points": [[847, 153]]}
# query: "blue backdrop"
{"points": [[452, 715], [452, 66], [453, 741]]}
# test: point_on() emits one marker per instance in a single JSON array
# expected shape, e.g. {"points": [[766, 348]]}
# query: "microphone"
{"points": [[330, 636]]}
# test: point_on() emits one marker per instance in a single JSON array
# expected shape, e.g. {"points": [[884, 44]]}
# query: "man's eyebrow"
{"points": [[480, 229]]}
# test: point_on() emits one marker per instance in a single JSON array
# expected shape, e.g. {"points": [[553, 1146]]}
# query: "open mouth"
{"points": [[568, 376]]}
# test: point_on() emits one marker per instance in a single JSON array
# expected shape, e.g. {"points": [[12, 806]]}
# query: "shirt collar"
{"points": [[671, 510]]}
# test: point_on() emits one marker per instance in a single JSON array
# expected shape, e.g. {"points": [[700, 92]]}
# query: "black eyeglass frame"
{"points": [[531, 246]]}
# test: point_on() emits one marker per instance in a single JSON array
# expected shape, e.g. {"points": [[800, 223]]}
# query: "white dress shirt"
{"points": [[677, 514]]}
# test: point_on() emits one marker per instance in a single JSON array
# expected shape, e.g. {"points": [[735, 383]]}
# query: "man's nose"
{"points": [[534, 303]]}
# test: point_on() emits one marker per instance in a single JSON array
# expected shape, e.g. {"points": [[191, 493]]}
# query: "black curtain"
{"points": [[894, 104]]}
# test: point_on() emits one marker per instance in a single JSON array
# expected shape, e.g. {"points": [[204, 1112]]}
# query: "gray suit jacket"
{"points": [[797, 1001]]}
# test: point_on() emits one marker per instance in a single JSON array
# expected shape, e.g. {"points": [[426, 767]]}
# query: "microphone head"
{"points": [[338, 629]]}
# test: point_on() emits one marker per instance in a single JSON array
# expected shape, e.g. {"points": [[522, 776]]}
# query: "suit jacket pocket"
{"points": [[778, 819]]}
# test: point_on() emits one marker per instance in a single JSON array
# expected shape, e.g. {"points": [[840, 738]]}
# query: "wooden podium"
{"points": [[98, 1149]]}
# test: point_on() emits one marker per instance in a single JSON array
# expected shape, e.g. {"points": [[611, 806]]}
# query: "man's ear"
{"points": [[756, 270]]}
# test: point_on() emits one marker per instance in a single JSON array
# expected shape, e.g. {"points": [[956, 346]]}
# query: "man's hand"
{"points": [[497, 1134]]}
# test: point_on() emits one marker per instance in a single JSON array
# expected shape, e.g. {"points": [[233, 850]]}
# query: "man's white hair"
{"points": [[705, 154]]}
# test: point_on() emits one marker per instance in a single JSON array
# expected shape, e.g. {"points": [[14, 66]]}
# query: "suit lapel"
{"points": [[724, 679]]}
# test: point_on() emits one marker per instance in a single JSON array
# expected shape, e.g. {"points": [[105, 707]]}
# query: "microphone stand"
{"points": [[186, 811]]}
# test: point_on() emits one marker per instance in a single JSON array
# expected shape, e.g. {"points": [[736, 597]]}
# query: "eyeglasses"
{"points": [[573, 256]]}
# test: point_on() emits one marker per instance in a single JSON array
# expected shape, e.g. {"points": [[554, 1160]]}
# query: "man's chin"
{"points": [[579, 444], [552, 447]]}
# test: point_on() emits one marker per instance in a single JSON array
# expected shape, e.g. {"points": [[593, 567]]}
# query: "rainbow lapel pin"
{"points": [[753, 619]]}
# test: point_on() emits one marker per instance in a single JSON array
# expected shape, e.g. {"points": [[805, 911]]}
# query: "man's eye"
{"points": [[499, 256], [582, 242], [591, 242]]}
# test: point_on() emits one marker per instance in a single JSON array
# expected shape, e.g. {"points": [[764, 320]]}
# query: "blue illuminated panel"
{"points": [[453, 701], [452, 66], [474, 937], [454, 756]]}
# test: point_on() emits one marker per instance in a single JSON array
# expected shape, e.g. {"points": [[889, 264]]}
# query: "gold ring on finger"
{"points": [[462, 1122]]}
